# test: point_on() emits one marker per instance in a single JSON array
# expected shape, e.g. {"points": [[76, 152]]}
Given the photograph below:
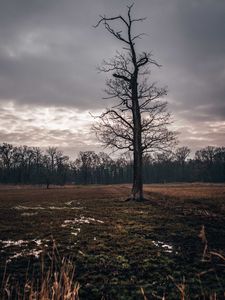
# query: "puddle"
{"points": [[26, 214], [72, 202], [11, 243], [81, 220], [166, 247], [23, 245], [69, 203], [21, 207], [24, 253], [39, 242], [62, 207], [75, 231]]}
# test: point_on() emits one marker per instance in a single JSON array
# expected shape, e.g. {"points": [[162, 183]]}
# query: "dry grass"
{"points": [[189, 191], [179, 190], [55, 283]]}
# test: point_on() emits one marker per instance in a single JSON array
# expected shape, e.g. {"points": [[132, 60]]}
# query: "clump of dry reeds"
{"points": [[56, 283]]}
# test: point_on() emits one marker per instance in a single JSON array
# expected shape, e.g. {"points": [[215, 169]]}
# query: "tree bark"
{"points": [[137, 189]]}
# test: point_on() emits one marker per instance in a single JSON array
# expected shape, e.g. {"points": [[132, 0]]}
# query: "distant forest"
{"points": [[31, 165]]}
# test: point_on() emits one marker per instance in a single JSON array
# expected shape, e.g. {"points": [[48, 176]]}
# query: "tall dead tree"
{"points": [[138, 122]]}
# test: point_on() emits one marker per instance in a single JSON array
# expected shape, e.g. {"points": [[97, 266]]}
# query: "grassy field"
{"points": [[120, 249]]}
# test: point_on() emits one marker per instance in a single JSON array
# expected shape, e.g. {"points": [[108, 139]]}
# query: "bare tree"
{"points": [[139, 121], [182, 154], [52, 152], [87, 162]]}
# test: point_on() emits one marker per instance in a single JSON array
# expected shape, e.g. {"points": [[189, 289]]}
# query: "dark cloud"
{"points": [[49, 52]]}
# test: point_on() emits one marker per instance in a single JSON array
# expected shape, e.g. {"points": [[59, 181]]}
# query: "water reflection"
{"points": [[23, 248], [165, 247], [81, 220]]}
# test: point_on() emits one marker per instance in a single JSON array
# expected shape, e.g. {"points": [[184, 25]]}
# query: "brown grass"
{"points": [[56, 283], [189, 191]]}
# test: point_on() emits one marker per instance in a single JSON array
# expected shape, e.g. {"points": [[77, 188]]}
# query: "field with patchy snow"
{"points": [[120, 249]]}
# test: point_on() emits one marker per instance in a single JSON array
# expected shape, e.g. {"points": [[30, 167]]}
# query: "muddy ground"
{"points": [[120, 249]]}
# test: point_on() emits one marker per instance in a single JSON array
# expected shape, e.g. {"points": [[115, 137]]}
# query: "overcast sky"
{"points": [[49, 52]]}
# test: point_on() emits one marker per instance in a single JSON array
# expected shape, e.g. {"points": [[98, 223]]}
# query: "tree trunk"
{"points": [[137, 189]]}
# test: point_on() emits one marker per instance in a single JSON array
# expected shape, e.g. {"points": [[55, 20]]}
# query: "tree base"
{"points": [[143, 200], [136, 199]]}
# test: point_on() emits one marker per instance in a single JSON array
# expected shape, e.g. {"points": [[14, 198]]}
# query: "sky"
{"points": [[50, 86]]}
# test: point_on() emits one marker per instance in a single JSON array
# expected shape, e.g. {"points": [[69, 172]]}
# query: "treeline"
{"points": [[31, 165]]}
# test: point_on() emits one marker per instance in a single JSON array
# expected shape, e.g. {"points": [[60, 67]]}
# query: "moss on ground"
{"points": [[119, 247]]}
